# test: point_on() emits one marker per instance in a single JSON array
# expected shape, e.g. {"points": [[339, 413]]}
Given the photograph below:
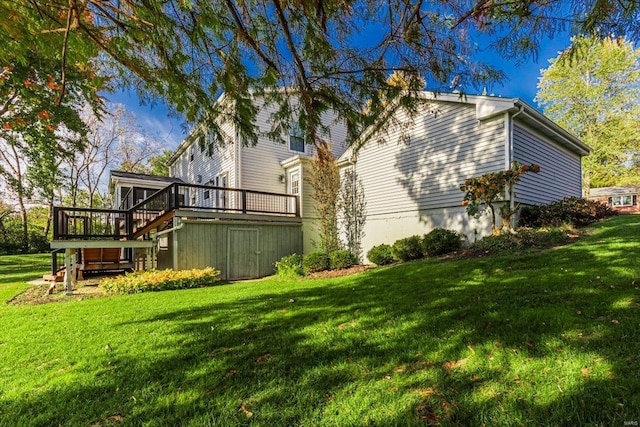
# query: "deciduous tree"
{"points": [[483, 192], [593, 89], [45, 75]]}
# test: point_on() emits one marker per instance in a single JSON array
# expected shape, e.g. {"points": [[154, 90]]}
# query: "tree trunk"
{"points": [[47, 226], [25, 225]]}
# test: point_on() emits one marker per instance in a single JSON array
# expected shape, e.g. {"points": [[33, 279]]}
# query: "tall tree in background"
{"points": [[36, 131], [593, 89], [113, 141], [158, 164], [41, 89]]}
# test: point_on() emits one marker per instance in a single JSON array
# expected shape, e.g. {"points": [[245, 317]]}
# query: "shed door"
{"points": [[242, 254]]}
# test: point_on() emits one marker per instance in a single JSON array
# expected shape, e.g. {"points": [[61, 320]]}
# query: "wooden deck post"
{"points": [[68, 274]]}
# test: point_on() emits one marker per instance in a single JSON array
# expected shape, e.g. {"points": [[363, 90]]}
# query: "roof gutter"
{"points": [[570, 141]]}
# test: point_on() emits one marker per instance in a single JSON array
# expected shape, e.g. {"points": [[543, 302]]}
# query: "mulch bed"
{"points": [[38, 294], [330, 274]]}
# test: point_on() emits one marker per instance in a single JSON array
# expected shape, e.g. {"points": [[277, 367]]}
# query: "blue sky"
{"points": [[521, 81]]}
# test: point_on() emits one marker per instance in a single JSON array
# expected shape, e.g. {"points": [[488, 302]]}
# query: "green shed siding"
{"points": [[222, 245]]}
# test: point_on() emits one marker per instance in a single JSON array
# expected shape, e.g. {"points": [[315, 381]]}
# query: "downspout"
{"points": [[512, 202], [167, 231], [174, 245], [238, 161]]}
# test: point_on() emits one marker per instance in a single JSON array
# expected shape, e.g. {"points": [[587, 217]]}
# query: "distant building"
{"points": [[622, 199]]}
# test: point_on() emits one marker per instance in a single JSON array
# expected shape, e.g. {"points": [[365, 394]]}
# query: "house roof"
{"points": [[140, 179], [143, 177], [614, 191], [488, 107]]}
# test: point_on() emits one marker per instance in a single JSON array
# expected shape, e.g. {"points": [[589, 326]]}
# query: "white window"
{"points": [[622, 200], [221, 195], [294, 182], [296, 138], [294, 187]]}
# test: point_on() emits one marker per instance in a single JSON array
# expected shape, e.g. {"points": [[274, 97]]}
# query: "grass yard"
{"points": [[540, 338]]}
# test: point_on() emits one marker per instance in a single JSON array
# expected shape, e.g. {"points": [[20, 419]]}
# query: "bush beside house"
{"points": [[381, 254], [575, 211], [160, 280], [296, 265], [441, 241]]}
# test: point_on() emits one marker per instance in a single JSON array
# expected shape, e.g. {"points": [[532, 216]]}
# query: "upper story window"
{"points": [[296, 137], [191, 153]]}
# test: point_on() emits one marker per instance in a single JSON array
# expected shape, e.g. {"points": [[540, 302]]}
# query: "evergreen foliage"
{"points": [[408, 249], [440, 241], [290, 266], [316, 261], [381, 254], [342, 258]]}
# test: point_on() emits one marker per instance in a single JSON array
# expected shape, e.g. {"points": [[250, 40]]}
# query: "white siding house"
{"points": [[271, 166], [412, 173]]}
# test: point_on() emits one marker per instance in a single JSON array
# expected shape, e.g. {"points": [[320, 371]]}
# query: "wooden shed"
{"points": [[238, 247]]}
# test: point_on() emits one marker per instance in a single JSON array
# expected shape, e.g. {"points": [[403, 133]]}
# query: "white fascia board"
{"points": [[135, 182], [567, 139], [186, 143], [294, 160]]}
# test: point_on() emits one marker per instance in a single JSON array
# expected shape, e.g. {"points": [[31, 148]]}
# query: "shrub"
{"points": [[381, 255], [160, 280], [573, 210], [524, 238], [440, 241], [290, 266], [38, 244], [316, 261], [408, 248], [342, 259]]}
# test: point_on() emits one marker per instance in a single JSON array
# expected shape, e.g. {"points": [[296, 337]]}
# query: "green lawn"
{"points": [[541, 338]]}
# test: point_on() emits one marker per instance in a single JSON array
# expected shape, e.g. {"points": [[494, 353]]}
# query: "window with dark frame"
{"points": [[296, 137]]}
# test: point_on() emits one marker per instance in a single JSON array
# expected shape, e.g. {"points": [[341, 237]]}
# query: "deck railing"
{"points": [[87, 223], [84, 223], [225, 199]]}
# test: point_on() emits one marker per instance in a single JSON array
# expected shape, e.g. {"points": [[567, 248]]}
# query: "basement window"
{"points": [[163, 243]]}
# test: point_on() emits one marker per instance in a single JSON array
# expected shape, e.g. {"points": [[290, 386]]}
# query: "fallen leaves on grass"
{"points": [[424, 392], [454, 364], [242, 408], [344, 325], [263, 359]]}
